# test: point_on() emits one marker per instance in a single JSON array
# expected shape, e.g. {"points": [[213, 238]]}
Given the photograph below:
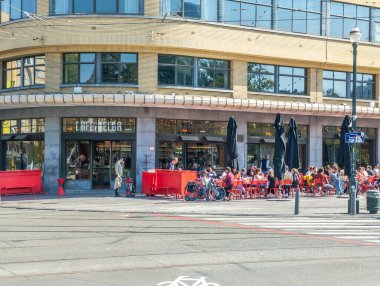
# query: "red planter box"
{"points": [[166, 182], [20, 182]]}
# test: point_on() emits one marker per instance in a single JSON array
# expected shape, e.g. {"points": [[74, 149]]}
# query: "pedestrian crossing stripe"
{"points": [[365, 230]]}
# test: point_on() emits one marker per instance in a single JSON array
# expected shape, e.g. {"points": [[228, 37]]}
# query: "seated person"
{"points": [[271, 183], [228, 181]]}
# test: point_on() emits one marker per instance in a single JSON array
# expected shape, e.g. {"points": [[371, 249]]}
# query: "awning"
{"points": [[22, 137], [268, 140], [7, 137], [190, 138], [215, 139]]}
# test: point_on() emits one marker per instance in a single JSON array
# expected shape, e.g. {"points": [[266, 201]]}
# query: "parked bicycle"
{"points": [[130, 190], [211, 192]]}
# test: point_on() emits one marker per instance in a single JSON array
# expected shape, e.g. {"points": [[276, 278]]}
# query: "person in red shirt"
{"points": [[228, 181]]}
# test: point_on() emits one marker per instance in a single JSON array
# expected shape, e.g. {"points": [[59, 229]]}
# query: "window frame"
{"points": [[195, 72], [256, 4], [348, 85], [22, 70], [94, 12], [9, 8], [344, 17], [98, 68], [277, 75]]}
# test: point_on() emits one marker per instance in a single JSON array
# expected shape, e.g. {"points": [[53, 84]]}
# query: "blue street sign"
{"points": [[355, 137]]}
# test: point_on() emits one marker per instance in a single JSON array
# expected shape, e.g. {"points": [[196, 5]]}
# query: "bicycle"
{"points": [[130, 190], [214, 192]]}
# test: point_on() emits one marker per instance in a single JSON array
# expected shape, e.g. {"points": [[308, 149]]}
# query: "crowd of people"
{"points": [[324, 179]]}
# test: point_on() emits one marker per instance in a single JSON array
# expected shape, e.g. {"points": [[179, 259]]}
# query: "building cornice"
{"points": [[183, 102]]}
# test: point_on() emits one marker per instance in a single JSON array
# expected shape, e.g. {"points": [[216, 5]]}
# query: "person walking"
{"points": [[119, 174]]}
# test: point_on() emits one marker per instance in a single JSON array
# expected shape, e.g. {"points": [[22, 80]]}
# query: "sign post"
{"points": [[353, 138]]}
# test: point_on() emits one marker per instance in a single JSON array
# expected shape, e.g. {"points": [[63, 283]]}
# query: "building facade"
{"points": [[85, 81]]}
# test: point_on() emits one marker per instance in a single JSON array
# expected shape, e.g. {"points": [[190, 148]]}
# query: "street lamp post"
{"points": [[355, 35]]}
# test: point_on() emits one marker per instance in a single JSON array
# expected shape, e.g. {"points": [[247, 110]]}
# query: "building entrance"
{"points": [[104, 153]]}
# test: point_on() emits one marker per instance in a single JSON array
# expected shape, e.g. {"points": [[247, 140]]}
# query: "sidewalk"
{"points": [[105, 202]]}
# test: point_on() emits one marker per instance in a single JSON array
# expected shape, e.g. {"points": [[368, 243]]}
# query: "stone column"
{"points": [[221, 8], [239, 79], [43, 7], [52, 160], [275, 14], [53, 75], [145, 142], [242, 143], [372, 25], [326, 11], [148, 72], [315, 85], [315, 142], [152, 8]]}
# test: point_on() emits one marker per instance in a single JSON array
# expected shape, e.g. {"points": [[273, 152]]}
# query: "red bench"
{"points": [[20, 182]]}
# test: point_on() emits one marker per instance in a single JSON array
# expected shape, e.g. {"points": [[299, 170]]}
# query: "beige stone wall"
{"points": [[43, 7], [147, 74], [151, 7], [361, 2], [190, 38], [239, 79], [53, 66], [315, 85]]}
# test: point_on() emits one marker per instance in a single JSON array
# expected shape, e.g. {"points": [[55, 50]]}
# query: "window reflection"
{"points": [[279, 79], [337, 84], [346, 16]]}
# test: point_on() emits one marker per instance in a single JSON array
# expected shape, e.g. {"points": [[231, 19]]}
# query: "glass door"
{"points": [[122, 149], [101, 177]]}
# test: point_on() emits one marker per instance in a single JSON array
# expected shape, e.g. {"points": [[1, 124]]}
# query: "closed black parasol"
{"points": [[291, 157], [279, 148], [231, 144], [344, 151]]}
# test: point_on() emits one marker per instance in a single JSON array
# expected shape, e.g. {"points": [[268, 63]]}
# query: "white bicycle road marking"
{"points": [[183, 281]]}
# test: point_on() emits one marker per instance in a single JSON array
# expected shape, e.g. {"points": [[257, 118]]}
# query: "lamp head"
{"points": [[355, 35]]}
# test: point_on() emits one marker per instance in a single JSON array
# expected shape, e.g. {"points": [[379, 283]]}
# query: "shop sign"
{"points": [[100, 126]]}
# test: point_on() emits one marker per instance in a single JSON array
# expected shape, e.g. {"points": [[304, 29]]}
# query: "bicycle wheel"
{"points": [[210, 194], [189, 198], [133, 191], [220, 193]]}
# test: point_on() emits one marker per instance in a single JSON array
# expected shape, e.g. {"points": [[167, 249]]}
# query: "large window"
{"points": [[175, 70], [24, 143], [23, 126], [16, 9], [276, 79], [300, 16], [186, 8], [339, 84], [365, 152], [254, 13], [24, 72], [196, 72], [377, 25], [64, 7], [346, 16], [119, 68], [261, 139], [178, 126], [82, 68]]}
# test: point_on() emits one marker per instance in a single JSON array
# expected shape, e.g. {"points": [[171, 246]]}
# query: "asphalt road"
{"points": [[49, 247]]}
